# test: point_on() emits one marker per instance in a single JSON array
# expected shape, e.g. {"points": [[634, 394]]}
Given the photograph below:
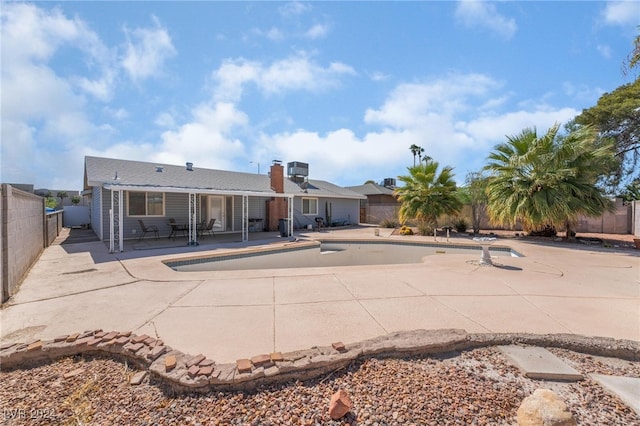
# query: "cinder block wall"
{"points": [[617, 222], [22, 235], [635, 218]]}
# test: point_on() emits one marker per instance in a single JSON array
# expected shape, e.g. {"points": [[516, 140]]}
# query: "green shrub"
{"points": [[389, 223], [425, 230], [461, 225]]}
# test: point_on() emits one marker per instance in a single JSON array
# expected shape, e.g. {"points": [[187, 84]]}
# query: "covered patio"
{"points": [[237, 214]]}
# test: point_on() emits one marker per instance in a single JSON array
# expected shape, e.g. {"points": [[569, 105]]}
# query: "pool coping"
{"points": [[297, 245]]}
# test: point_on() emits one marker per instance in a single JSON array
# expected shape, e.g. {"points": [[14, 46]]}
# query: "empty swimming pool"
{"points": [[329, 253]]}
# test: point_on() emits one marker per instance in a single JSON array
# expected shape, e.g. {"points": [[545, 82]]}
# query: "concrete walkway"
{"points": [[238, 314]]}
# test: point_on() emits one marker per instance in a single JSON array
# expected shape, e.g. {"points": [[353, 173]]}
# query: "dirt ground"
{"points": [[623, 241], [613, 241]]}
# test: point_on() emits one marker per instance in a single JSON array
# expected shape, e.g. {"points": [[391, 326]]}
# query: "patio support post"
{"points": [[193, 217], [115, 221], [245, 218], [290, 214]]}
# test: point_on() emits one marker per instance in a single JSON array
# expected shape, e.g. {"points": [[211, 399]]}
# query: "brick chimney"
{"points": [[277, 177], [276, 206]]}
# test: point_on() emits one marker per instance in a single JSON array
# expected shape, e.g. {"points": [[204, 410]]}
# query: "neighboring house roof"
{"points": [[371, 189], [140, 175]]}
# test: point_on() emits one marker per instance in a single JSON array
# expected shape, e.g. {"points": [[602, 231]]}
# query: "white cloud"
{"points": [[293, 73], [450, 117], [491, 129], [206, 140], [411, 103], [31, 36], [622, 13], [340, 155], [378, 76], [294, 8], [477, 13], [317, 31], [147, 49], [232, 75], [44, 113], [275, 34], [165, 120], [118, 114]]}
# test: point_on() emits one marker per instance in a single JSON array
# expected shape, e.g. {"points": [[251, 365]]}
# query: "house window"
{"points": [[146, 203], [310, 206]]}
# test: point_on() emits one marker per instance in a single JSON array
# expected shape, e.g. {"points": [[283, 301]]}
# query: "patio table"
{"points": [[178, 227]]}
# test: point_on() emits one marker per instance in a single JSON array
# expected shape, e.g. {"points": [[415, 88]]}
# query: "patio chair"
{"points": [[208, 228], [146, 229], [175, 227]]}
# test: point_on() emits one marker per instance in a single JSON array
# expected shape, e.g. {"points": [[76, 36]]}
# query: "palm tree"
{"points": [[62, 195], [547, 180], [427, 194], [416, 150]]}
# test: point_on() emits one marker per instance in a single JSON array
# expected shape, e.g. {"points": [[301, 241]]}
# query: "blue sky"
{"points": [[347, 87]]}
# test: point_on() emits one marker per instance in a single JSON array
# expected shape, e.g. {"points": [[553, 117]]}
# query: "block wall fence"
{"points": [[25, 231]]}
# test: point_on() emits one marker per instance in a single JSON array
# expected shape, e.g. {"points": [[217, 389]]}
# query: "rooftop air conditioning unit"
{"points": [[297, 168], [389, 183]]}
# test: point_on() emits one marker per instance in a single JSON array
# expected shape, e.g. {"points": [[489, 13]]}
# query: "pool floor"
{"points": [[330, 254]]}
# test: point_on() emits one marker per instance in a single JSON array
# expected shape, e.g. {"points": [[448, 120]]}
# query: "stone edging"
{"points": [[187, 373]]}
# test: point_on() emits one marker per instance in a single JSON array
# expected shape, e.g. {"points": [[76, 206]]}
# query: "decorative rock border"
{"points": [[188, 373]]}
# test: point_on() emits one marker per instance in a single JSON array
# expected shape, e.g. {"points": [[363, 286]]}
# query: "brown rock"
{"points": [[156, 352], [121, 341], [196, 360], [73, 373], [133, 347], [544, 408], [139, 339], [340, 404], [244, 365], [206, 363], [170, 362], [276, 357], [206, 371], [339, 346], [73, 337], [193, 370], [109, 336], [35, 346], [260, 360], [138, 378], [94, 341]]}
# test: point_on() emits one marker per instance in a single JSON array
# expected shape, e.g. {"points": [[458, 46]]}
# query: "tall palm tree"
{"points": [[548, 180], [416, 150], [427, 194]]}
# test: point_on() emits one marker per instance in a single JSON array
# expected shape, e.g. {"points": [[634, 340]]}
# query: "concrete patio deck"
{"points": [[238, 314]]}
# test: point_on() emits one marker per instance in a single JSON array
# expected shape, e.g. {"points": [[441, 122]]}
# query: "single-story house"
{"points": [[379, 204], [122, 192]]}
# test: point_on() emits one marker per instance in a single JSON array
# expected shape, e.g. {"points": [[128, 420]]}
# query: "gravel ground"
{"points": [[474, 387]]}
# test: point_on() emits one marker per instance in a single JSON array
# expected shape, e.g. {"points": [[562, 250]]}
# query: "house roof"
{"points": [[140, 175], [370, 188]]}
